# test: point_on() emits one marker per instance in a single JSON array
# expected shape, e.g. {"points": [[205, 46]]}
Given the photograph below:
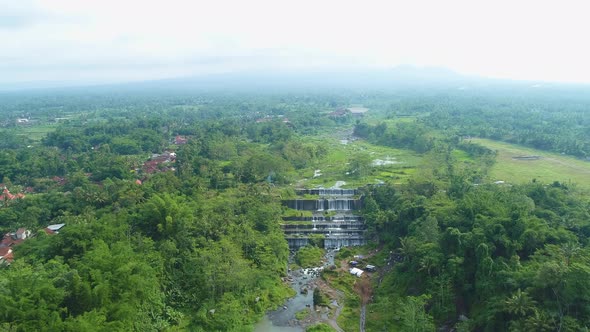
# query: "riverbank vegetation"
{"points": [[321, 327], [309, 256]]}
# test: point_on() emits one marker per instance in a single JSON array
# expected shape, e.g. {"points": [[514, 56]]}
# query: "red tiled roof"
{"points": [[154, 164], [5, 251], [6, 195], [180, 140], [9, 257], [6, 254], [48, 231], [6, 241]]}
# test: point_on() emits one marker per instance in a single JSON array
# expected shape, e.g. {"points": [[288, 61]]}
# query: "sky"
{"points": [[128, 40]]}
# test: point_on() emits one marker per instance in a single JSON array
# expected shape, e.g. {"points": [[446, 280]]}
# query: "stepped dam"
{"points": [[324, 204], [333, 222]]}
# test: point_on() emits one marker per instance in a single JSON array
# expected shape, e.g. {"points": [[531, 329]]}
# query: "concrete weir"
{"points": [[333, 218], [324, 204]]}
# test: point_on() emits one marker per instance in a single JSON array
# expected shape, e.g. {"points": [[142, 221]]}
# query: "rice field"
{"points": [[385, 164], [518, 164]]}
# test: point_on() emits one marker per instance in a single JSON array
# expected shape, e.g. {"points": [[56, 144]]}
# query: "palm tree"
{"points": [[520, 303], [407, 247], [569, 251], [539, 321]]}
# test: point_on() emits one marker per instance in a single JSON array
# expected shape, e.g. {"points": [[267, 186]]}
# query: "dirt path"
{"points": [[365, 291], [363, 316], [362, 287]]}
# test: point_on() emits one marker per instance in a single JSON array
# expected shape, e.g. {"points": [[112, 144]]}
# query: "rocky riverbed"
{"points": [[303, 281]]}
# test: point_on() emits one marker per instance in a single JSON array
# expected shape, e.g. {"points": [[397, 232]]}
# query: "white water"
{"points": [[338, 184], [284, 317]]}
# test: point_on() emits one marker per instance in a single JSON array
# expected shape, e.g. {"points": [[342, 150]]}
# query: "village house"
{"points": [[10, 240], [159, 163], [265, 119], [53, 229], [8, 196], [180, 140], [6, 256], [339, 113], [358, 112], [15, 238], [22, 233]]}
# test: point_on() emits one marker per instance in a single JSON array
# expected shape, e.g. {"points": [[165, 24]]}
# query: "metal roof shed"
{"points": [[357, 272]]}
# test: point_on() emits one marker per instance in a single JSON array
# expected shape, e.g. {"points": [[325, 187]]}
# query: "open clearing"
{"points": [[549, 167], [387, 164], [36, 132]]}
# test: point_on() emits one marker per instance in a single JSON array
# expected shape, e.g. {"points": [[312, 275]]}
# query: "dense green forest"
{"points": [[172, 207], [503, 257]]}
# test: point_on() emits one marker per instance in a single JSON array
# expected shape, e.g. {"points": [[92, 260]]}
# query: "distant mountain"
{"points": [[344, 77], [31, 85], [424, 73], [40, 85], [400, 77]]}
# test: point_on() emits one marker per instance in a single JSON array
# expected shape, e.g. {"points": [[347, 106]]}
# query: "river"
{"points": [[283, 319]]}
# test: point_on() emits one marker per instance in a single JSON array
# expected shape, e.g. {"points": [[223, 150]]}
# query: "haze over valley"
{"points": [[307, 166]]}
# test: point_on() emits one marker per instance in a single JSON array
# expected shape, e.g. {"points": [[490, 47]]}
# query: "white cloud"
{"points": [[129, 39]]}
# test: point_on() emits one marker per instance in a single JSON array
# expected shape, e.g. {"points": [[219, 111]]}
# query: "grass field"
{"points": [[36, 132], [401, 164], [548, 168]]}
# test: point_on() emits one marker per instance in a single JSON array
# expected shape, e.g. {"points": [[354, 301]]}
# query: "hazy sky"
{"points": [[104, 40]]}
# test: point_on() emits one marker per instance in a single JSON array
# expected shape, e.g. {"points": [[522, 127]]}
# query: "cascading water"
{"points": [[323, 204], [333, 216], [327, 192]]}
